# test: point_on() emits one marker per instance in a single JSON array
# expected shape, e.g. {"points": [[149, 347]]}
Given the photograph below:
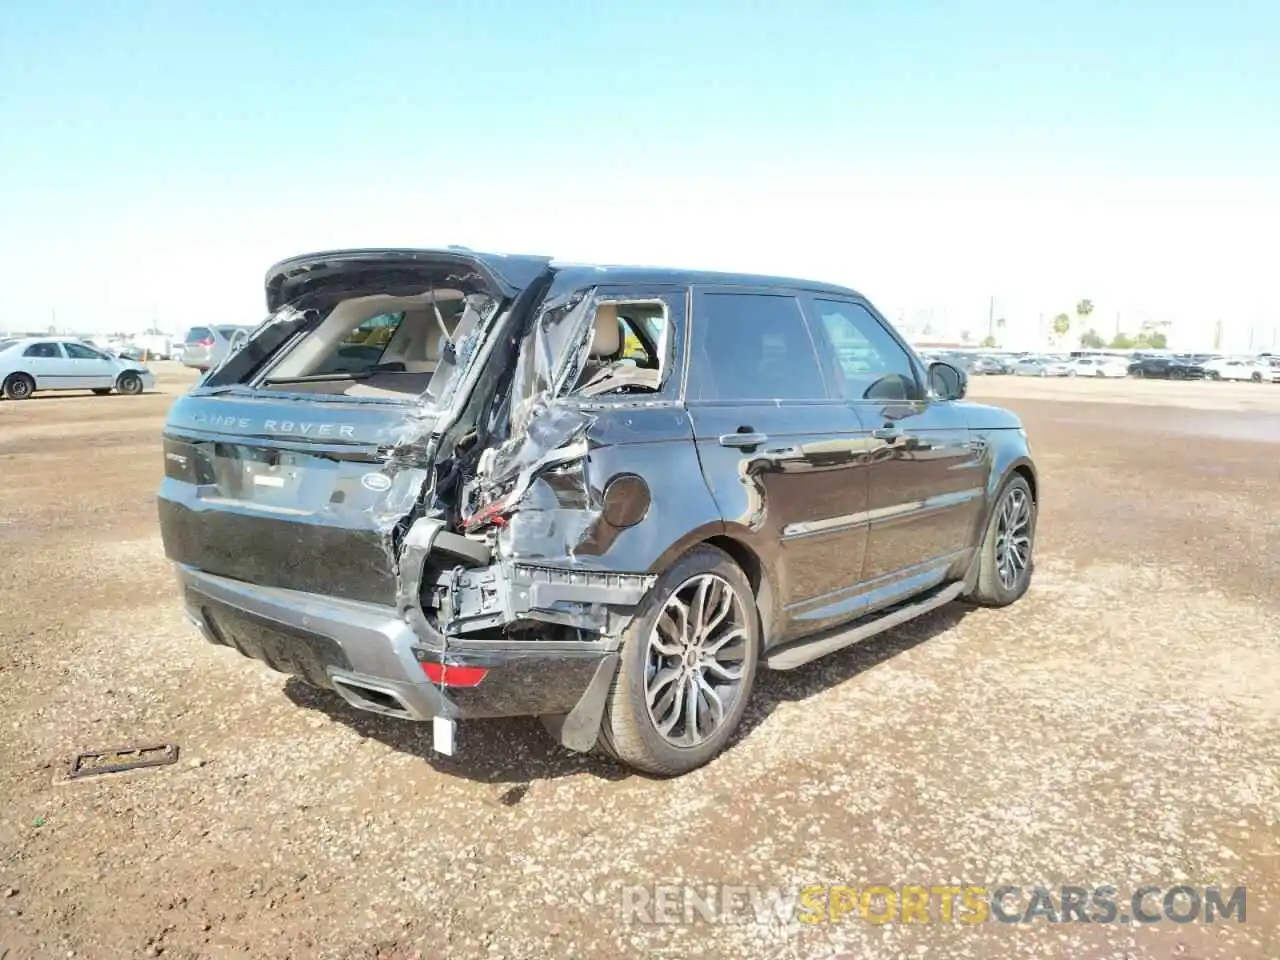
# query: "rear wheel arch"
{"points": [[757, 575], [1027, 474], [742, 553]]}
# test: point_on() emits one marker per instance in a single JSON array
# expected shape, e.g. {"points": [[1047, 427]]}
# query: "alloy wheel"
{"points": [[1013, 538], [695, 660]]}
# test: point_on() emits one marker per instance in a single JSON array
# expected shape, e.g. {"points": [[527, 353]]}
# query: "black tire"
{"points": [[130, 384], [1214, 375], [19, 386], [101, 391], [629, 731], [1138, 374], [1100, 374], [1257, 378], [992, 589]]}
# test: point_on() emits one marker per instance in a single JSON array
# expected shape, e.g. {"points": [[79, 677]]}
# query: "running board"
{"points": [[800, 653]]}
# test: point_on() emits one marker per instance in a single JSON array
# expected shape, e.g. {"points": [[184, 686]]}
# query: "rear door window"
{"points": [[752, 346], [46, 350]]}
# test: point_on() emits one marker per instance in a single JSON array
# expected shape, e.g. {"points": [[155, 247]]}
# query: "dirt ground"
{"points": [[1118, 726]]}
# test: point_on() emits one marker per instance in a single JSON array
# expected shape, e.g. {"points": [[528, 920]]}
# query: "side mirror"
{"points": [[947, 382]]}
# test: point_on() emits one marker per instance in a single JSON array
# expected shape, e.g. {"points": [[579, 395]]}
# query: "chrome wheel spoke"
{"points": [[712, 700], [713, 647], [691, 710], [667, 638], [721, 671]]}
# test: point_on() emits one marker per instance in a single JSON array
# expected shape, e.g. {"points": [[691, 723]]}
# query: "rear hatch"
{"points": [[298, 461]]}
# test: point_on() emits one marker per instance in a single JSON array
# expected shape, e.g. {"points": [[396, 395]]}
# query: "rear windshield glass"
{"points": [[228, 332], [198, 333], [361, 350]]}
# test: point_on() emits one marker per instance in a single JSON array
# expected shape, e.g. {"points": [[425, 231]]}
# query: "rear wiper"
{"points": [[394, 366], [317, 378]]}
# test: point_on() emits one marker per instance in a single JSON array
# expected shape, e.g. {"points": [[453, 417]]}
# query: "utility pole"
{"points": [[991, 317], [1217, 335]]}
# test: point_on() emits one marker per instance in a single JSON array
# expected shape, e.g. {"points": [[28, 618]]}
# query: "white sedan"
{"points": [[1240, 368], [1098, 367], [1041, 367], [32, 364]]}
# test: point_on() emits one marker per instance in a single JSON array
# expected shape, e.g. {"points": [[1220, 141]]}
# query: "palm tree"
{"points": [[1083, 309]]}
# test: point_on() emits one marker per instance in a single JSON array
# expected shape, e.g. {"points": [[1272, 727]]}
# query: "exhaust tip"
{"points": [[373, 699]]}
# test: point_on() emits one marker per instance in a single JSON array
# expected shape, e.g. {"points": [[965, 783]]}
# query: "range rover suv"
{"points": [[450, 485]]}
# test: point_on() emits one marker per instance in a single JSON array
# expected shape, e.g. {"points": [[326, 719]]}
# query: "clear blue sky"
{"points": [[159, 157]]}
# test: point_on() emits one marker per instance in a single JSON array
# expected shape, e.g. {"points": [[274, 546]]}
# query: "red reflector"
{"points": [[451, 675]]}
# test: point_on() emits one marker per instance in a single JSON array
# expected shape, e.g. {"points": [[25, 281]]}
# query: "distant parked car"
{"points": [[32, 364], [204, 347], [1240, 368], [1098, 367], [1170, 368], [1041, 367], [988, 365]]}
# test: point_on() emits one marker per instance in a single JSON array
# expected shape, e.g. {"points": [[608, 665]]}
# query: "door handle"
{"points": [[892, 434], [742, 440]]}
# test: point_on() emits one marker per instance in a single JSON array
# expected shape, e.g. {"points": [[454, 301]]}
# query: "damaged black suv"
{"points": [[448, 485]]}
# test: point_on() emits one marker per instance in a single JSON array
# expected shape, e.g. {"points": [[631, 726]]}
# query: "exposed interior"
{"points": [[628, 349], [376, 346]]}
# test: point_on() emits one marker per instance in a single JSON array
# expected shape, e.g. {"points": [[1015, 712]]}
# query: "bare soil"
{"points": [[1118, 726]]}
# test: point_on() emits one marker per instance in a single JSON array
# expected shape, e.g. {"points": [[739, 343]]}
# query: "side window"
{"points": [[77, 351], [752, 346], [872, 364], [43, 350], [628, 349]]}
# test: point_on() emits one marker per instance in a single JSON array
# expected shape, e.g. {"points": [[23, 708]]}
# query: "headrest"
{"points": [[606, 340]]}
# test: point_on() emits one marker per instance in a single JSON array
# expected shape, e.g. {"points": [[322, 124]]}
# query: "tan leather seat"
{"points": [[606, 339]]}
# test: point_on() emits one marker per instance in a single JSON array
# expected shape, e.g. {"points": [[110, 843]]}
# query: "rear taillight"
{"points": [[205, 343], [451, 675]]}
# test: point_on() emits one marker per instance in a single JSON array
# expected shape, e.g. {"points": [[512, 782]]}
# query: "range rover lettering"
{"points": [[450, 485]]}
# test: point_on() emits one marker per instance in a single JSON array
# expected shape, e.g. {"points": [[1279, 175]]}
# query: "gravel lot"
{"points": [[1118, 726]]}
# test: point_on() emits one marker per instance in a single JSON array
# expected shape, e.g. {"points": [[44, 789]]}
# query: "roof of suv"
{"points": [[592, 273], [519, 269]]}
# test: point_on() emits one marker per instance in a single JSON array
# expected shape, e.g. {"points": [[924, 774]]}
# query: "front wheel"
{"points": [[1004, 561], [688, 663], [130, 384], [1257, 378]]}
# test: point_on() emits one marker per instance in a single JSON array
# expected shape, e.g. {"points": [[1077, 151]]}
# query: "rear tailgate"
{"points": [[289, 492]]}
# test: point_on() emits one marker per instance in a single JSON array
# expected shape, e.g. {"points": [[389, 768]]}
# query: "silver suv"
{"points": [[205, 347]]}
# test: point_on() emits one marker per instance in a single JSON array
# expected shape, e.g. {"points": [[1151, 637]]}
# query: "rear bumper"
{"points": [[374, 659]]}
